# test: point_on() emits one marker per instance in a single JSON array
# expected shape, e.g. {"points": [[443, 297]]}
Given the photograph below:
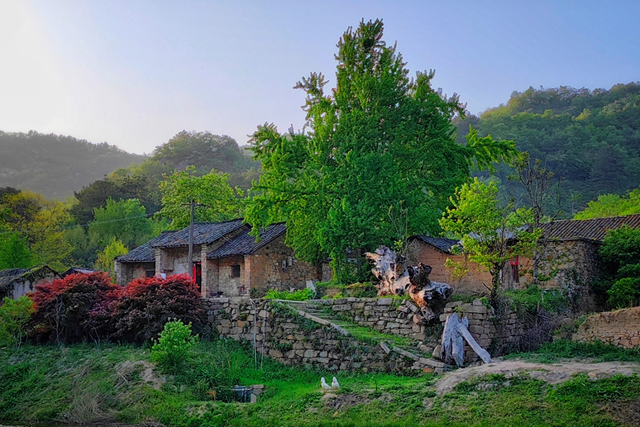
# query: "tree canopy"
{"points": [[219, 202], [378, 150], [612, 205]]}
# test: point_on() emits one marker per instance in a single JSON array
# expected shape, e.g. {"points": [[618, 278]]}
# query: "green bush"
{"points": [[299, 295], [624, 292], [171, 350], [534, 298], [14, 314]]}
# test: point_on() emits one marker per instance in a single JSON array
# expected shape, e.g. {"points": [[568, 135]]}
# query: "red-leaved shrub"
{"points": [[64, 307], [147, 304]]}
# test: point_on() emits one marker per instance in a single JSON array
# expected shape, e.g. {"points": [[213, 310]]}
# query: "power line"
{"points": [[78, 225]]}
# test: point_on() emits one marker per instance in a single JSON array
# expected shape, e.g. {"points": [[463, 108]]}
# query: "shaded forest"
{"points": [[589, 139], [56, 165]]}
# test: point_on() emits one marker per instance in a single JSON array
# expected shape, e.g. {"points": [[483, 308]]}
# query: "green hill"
{"points": [[589, 139], [56, 165]]}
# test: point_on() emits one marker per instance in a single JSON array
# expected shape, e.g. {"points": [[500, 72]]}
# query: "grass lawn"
{"points": [[89, 384]]}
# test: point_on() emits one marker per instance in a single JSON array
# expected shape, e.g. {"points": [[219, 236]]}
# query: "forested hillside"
{"points": [[56, 165], [589, 139]]}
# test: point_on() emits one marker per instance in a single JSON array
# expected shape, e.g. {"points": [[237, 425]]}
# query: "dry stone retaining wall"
{"points": [[394, 316], [620, 328], [493, 333], [293, 338]]}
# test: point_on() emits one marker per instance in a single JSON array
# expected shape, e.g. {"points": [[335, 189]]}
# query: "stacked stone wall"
{"points": [[394, 316], [493, 333], [619, 328], [287, 336]]}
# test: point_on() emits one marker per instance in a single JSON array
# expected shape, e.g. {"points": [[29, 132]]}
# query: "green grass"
{"points": [[565, 349], [80, 384]]}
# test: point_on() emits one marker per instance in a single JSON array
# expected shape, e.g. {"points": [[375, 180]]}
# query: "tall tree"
{"points": [[14, 252], [125, 220], [219, 202], [490, 233], [379, 140]]}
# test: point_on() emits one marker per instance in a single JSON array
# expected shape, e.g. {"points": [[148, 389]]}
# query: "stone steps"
{"points": [[318, 313]]}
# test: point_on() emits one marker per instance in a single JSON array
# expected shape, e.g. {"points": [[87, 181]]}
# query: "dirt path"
{"points": [[552, 373]]}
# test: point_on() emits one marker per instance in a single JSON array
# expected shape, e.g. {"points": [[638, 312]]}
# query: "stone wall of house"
{"points": [[470, 284], [275, 266], [287, 336], [394, 316], [127, 272], [220, 276], [619, 328], [175, 260], [493, 333]]}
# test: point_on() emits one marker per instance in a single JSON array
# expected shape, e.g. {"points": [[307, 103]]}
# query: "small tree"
{"points": [[14, 252], [105, 261], [620, 254], [491, 235], [171, 350], [14, 315]]}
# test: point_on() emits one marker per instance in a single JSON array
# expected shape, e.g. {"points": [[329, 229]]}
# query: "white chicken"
{"points": [[334, 384], [325, 386]]}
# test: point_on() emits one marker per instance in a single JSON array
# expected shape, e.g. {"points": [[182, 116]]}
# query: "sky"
{"points": [[134, 73]]}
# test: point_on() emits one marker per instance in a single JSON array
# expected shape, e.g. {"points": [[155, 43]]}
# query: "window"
{"points": [[149, 273], [235, 270]]}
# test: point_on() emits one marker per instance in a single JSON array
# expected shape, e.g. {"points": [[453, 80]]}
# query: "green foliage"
{"points": [[14, 315], [171, 350], [298, 295], [609, 205], [105, 260], [557, 350], [56, 165], [491, 234], [533, 298], [379, 140], [123, 220], [14, 252], [220, 201], [620, 254], [588, 139]]}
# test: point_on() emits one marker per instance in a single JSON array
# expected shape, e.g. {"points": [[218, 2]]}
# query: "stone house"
{"points": [[16, 282], [569, 257], [227, 259], [435, 251]]}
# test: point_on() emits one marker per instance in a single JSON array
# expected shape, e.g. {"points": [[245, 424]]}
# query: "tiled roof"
{"points": [[203, 233], [10, 275], [146, 252], [441, 244], [591, 229], [245, 244]]}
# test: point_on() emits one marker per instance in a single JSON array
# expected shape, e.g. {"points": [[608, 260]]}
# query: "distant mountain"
{"points": [[56, 165], [589, 139]]}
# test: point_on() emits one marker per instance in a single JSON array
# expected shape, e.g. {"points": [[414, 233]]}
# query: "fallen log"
{"points": [[455, 331]]}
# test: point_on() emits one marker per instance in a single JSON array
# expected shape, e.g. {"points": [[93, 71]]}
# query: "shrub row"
{"points": [[88, 307]]}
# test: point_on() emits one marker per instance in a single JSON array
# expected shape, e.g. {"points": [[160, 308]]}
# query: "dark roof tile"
{"points": [[245, 244], [144, 253], [441, 244], [203, 234], [590, 229]]}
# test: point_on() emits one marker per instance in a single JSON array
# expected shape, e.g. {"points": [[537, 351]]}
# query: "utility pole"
{"points": [[193, 206]]}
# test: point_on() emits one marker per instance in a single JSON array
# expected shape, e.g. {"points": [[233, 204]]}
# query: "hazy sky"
{"points": [[134, 73]]}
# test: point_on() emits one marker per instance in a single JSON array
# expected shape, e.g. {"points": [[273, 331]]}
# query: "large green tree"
{"points": [[377, 150], [124, 220], [217, 200]]}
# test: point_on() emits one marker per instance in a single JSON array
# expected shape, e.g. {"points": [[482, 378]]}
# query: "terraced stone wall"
{"points": [[286, 335], [620, 328]]}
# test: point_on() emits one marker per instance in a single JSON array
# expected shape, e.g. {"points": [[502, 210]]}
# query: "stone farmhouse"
{"points": [[228, 260], [16, 282], [569, 256]]}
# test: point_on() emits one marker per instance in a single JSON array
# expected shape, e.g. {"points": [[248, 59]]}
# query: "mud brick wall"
{"points": [[620, 328], [284, 335]]}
